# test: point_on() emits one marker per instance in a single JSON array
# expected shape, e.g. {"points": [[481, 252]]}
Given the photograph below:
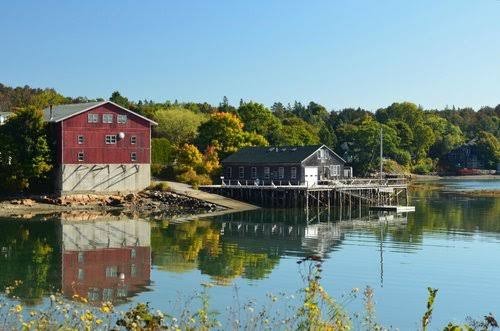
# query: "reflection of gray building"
{"points": [[105, 260], [291, 237], [4, 115]]}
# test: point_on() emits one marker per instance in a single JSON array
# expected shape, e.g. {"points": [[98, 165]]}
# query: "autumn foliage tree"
{"points": [[225, 132], [195, 168]]}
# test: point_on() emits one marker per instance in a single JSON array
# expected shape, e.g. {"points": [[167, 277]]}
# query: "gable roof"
{"points": [[274, 154], [62, 112], [6, 113]]}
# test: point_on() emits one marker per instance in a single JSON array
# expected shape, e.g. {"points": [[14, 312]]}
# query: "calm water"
{"points": [[451, 242]]}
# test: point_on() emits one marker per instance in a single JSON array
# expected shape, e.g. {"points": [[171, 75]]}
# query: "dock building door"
{"points": [[311, 175]]}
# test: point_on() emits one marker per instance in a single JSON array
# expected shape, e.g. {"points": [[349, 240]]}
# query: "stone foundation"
{"points": [[87, 178]]}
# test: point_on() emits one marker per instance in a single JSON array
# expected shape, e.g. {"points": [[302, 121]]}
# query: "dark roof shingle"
{"points": [[62, 112], [272, 154]]}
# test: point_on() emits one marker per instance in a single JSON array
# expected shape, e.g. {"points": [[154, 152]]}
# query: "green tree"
{"points": [[361, 144], [25, 155], [117, 98], [46, 98], [407, 112], [225, 132], [178, 125], [162, 157], [297, 132], [447, 135], [257, 118], [489, 147]]}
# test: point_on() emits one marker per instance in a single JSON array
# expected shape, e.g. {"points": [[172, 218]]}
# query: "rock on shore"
{"points": [[152, 203]]}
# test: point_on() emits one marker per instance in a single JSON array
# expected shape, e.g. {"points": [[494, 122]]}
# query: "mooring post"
{"points": [[340, 209]]}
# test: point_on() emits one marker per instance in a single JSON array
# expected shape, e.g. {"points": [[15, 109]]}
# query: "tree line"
{"points": [[191, 138]]}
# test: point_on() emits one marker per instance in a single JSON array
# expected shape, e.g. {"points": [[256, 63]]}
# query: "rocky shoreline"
{"points": [[154, 204]]}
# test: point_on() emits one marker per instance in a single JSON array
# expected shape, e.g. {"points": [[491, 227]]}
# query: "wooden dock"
{"points": [[347, 194], [394, 209]]}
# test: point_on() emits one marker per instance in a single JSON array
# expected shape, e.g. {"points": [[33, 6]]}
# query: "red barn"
{"points": [[101, 147]]}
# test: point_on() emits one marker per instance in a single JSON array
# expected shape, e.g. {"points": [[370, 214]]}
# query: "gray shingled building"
{"points": [[286, 164]]}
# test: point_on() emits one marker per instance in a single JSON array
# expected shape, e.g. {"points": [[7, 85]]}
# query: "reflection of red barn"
{"points": [[105, 260], [107, 274]]}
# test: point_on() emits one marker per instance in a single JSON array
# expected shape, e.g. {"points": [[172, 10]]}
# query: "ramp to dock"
{"points": [[187, 190]]}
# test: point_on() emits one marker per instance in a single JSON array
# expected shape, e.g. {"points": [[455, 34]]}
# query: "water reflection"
{"points": [[251, 244], [105, 260], [100, 257], [106, 257]]}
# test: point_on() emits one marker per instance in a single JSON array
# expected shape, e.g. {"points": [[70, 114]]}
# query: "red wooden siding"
{"points": [[94, 266], [94, 147]]}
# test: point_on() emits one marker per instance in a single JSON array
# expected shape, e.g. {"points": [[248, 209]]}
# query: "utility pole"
{"points": [[381, 153]]}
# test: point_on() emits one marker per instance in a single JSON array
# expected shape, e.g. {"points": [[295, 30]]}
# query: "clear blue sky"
{"points": [[336, 52]]}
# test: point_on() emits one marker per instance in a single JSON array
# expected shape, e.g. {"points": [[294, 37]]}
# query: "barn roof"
{"points": [[62, 112], [273, 154], [6, 113]]}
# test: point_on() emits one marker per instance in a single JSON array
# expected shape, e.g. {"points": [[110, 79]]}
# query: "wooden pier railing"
{"points": [[339, 183]]}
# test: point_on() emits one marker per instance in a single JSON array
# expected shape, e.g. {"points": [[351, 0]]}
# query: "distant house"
{"points": [[285, 164], [101, 147], [466, 159], [4, 115]]}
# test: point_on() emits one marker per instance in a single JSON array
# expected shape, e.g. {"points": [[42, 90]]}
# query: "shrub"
{"points": [[424, 166], [161, 151], [160, 171], [189, 176], [160, 186]]}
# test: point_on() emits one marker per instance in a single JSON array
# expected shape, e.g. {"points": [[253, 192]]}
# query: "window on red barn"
{"points": [[133, 156], [92, 118], [81, 139], [110, 139], [133, 140], [122, 119], [107, 118], [81, 156]]}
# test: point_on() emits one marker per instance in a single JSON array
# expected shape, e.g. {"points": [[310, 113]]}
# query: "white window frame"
{"points": [[107, 294], [321, 154], [121, 119], [281, 172], [111, 271], [133, 156], [254, 172], [110, 139], [80, 139], [267, 172], [241, 172], [133, 270], [107, 118], [133, 140], [293, 173], [335, 170], [229, 172], [81, 156], [92, 118]]}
